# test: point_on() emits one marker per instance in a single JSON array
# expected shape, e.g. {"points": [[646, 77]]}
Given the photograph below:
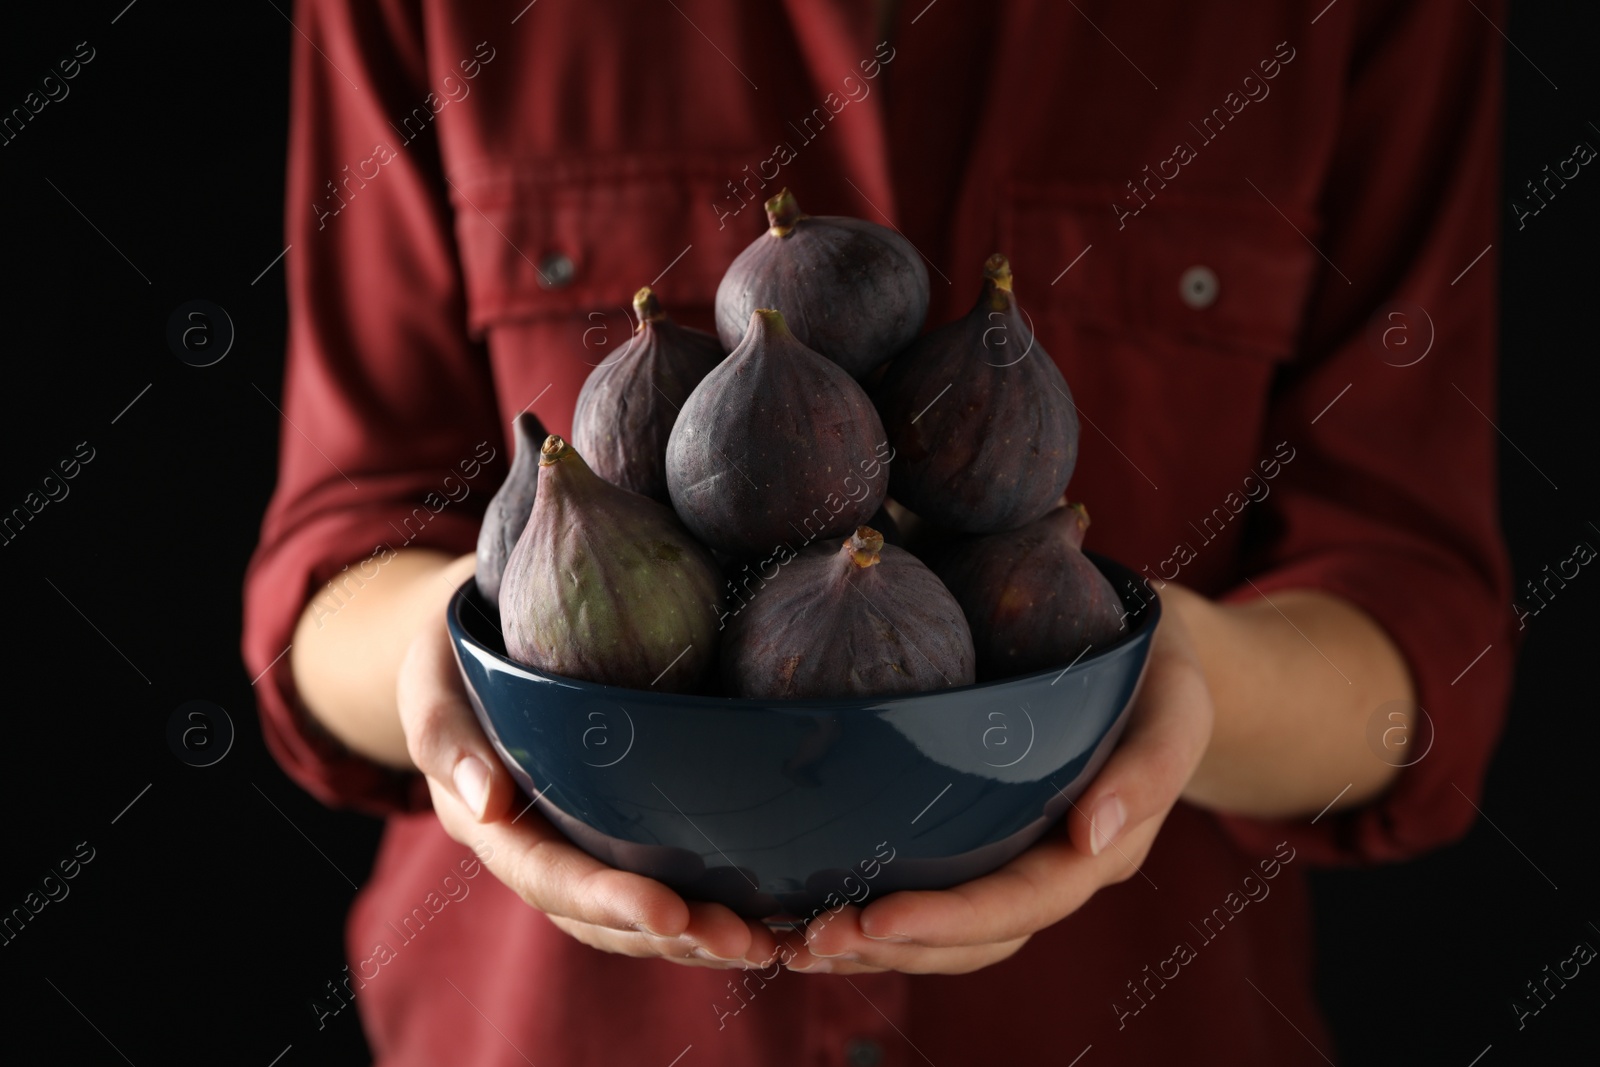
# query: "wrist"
{"points": [[1294, 679], [353, 636], [1205, 624]]}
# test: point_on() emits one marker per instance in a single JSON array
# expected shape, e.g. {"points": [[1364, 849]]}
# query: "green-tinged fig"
{"points": [[510, 506], [853, 290], [984, 429], [629, 402], [848, 618], [606, 585], [1034, 600], [775, 445]]}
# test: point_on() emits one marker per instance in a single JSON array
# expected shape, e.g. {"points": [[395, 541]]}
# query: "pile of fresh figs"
{"points": [[717, 523]]}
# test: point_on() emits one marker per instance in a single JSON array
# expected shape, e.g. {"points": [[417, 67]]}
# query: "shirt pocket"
{"points": [[567, 237], [1171, 329], [1192, 273]]}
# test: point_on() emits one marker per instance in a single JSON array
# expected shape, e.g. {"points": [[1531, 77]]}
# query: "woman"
{"points": [[1241, 235]]}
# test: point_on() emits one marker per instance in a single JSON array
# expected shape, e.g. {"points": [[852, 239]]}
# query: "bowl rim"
{"points": [[1149, 616]]}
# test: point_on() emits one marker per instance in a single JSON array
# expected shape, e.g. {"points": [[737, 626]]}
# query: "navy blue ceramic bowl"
{"points": [[780, 809]]}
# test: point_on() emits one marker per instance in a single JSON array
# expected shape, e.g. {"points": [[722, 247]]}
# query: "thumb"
{"points": [[442, 733], [1168, 730]]}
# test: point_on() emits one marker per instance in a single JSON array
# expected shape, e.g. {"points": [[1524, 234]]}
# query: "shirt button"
{"points": [[1198, 287], [861, 1052], [556, 271]]}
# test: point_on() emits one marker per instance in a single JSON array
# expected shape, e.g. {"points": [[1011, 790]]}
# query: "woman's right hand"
{"points": [[478, 805]]}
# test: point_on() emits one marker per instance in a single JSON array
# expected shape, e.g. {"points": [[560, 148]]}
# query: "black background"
{"points": [[208, 918]]}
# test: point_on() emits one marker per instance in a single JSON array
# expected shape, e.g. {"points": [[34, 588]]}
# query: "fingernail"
{"points": [[707, 954], [1106, 823], [471, 780], [897, 939], [819, 967]]}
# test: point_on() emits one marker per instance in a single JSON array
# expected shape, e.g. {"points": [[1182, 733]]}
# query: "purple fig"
{"points": [[983, 426], [509, 508], [1034, 600], [848, 618], [775, 445], [853, 290], [606, 585], [629, 402]]}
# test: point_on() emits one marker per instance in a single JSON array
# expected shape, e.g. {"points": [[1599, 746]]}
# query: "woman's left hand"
{"points": [[1102, 840]]}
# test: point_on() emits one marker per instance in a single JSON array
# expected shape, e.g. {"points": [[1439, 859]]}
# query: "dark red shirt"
{"points": [[1247, 233]]}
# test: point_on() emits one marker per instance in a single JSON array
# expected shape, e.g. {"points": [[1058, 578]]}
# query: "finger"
{"points": [[1039, 888], [442, 733], [875, 957], [1104, 837], [837, 940], [1050, 880], [829, 944], [835, 933], [643, 946], [1166, 737], [551, 874], [725, 936], [714, 937]]}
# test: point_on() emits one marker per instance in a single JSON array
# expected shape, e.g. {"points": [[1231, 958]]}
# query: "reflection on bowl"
{"points": [[780, 809]]}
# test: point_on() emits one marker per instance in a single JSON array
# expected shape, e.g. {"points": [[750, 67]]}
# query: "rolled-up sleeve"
{"points": [[388, 405], [1392, 503]]}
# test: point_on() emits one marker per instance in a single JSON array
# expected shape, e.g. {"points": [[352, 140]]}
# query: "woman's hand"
{"points": [[475, 798], [1102, 840]]}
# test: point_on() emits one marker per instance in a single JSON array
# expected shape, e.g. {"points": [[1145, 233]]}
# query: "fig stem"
{"points": [[772, 319], [783, 212], [553, 451], [1079, 524], [997, 269], [864, 547], [647, 307]]}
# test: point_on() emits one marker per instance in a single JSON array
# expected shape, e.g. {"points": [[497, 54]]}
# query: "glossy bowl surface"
{"points": [[781, 809]]}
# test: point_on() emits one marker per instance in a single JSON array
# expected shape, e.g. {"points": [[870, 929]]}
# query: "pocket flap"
{"points": [[565, 236], [1224, 271]]}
